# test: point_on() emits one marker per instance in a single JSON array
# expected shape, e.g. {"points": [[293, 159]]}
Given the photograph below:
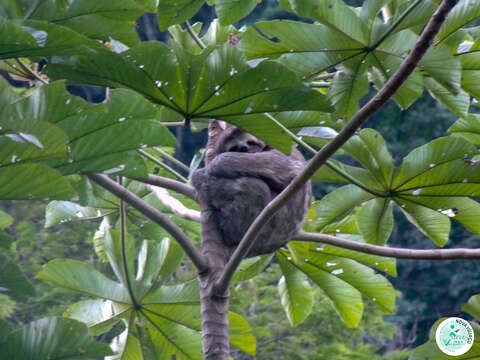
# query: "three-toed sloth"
{"points": [[243, 177]]}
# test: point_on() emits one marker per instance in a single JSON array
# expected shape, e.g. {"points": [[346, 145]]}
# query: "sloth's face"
{"points": [[244, 142]]}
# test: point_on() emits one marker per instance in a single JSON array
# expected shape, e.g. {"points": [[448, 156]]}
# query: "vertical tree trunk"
{"points": [[215, 339], [215, 335]]}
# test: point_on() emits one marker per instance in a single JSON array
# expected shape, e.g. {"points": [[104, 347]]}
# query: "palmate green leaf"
{"points": [[340, 278], [52, 39], [295, 292], [172, 12], [430, 349], [14, 283], [339, 203], [217, 83], [304, 48], [96, 20], [230, 11], [171, 313], [50, 338], [468, 128], [33, 181], [375, 221], [82, 278], [457, 103]]}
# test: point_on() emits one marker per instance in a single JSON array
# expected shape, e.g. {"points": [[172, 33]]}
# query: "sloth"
{"points": [[243, 177]]}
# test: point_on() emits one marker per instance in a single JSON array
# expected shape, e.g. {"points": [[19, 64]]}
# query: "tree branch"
{"points": [[153, 214], [392, 85], [170, 184], [398, 253]]}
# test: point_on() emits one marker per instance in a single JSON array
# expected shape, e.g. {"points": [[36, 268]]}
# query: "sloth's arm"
{"points": [[273, 167]]}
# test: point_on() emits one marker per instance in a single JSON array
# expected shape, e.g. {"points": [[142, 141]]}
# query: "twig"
{"points": [[399, 253], [170, 184], [165, 166], [194, 36], [30, 72], [153, 214], [123, 230], [392, 85], [169, 157], [173, 123]]}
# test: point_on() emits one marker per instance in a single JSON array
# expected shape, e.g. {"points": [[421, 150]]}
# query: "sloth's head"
{"points": [[234, 139]]}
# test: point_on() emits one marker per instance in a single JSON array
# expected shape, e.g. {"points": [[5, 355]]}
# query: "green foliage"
{"points": [[320, 336]]}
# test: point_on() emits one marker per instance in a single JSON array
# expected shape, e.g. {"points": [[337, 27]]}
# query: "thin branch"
{"points": [[170, 184], [325, 77], [169, 157], [163, 165], [174, 205], [330, 164], [173, 123], [194, 36], [320, 85], [123, 230], [398, 253], [153, 214], [30, 72], [392, 85]]}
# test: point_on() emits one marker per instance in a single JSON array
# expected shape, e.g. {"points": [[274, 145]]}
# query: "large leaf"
{"points": [[375, 221], [217, 83], [51, 338], [39, 38], [295, 292], [88, 137], [333, 13], [97, 20], [307, 49], [82, 278]]}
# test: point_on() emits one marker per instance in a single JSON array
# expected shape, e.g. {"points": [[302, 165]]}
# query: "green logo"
{"points": [[454, 336]]}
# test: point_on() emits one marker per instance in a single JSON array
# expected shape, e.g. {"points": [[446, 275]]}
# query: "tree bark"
{"points": [[214, 308]]}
